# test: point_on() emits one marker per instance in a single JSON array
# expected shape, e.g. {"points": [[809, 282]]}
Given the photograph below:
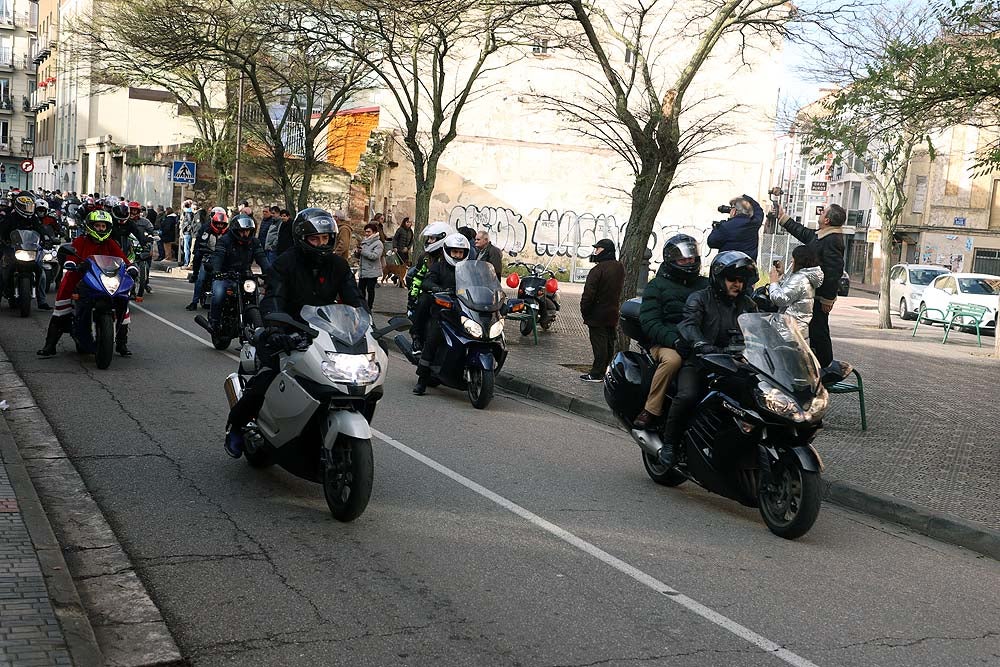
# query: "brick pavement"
{"points": [[932, 435], [29, 631]]}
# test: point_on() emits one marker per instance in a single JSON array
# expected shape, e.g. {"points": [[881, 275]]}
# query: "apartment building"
{"points": [[18, 82]]}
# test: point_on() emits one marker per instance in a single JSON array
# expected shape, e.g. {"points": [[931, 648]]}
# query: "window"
{"points": [[5, 132], [540, 46], [896, 273], [920, 194], [29, 132], [4, 88], [981, 286], [924, 276]]}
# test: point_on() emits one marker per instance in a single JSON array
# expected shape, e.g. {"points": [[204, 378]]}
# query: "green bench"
{"points": [[958, 314], [528, 315], [847, 387]]}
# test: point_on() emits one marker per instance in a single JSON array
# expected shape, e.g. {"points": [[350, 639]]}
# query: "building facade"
{"points": [[18, 81]]}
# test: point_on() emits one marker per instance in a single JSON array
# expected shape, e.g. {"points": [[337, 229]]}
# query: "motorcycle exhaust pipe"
{"points": [[233, 385], [649, 441], [203, 323]]}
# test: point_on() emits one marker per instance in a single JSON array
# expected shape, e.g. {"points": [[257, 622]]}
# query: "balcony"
{"points": [[7, 19], [7, 60], [27, 64], [26, 104], [28, 146], [41, 51], [28, 21], [6, 105], [4, 145]]}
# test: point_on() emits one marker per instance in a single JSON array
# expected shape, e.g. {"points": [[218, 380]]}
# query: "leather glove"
{"points": [[281, 341], [705, 348]]}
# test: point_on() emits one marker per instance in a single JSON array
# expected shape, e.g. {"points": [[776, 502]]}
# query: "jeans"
{"points": [[602, 341], [819, 335], [186, 250], [219, 288], [163, 253], [271, 256], [199, 284], [367, 287]]}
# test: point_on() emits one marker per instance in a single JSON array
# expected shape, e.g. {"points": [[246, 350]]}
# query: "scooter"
{"points": [[473, 350], [240, 315], [26, 274], [102, 298], [750, 438], [539, 290], [315, 419]]}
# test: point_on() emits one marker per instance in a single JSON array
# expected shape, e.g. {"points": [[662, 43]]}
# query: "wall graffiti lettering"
{"points": [[568, 233], [506, 228]]}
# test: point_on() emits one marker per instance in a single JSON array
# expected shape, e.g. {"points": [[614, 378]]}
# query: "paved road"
{"points": [[565, 555]]}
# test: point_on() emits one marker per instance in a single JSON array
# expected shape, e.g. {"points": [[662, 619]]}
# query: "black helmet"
{"points": [[242, 227], [732, 264], [312, 221], [117, 208], [24, 206], [680, 247]]}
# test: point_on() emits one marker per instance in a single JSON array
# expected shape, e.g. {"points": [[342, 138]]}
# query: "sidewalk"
{"points": [[929, 459]]}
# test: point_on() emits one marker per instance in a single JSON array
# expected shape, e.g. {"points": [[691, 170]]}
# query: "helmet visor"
{"points": [[682, 250], [322, 225]]}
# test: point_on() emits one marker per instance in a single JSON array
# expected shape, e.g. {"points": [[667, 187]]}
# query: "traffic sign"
{"points": [[184, 172], [27, 166]]}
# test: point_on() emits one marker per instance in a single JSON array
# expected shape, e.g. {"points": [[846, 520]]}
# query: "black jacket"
{"points": [[120, 233], [709, 319], [13, 221], [739, 232], [295, 280], [440, 277], [491, 254], [402, 239], [285, 240], [829, 244], [232, 256]]}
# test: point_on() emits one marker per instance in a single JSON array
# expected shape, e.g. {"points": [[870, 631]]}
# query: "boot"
{"points": [[421, 387], [644, 420], [121, 341], [667, 455], [234, 443], [52, 336]]}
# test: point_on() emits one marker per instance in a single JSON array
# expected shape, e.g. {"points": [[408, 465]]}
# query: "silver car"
{"points": [[907, 283]]}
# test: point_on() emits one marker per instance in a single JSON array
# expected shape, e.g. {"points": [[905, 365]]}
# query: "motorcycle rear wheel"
{"points": [[480, 388], [24, 294], [221, 343], [660, 473], [526, 327], [791, 510], [104, 338], [348, 477]]}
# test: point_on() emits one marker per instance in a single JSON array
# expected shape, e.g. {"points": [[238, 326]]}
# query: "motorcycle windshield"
{"points": [[776, 348], [345, 324], [477, 286], [25, 239], [107, 264]]}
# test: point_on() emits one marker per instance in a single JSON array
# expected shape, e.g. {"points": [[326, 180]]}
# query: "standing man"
{"points": [[828, 241], [600, 306], [342, 246], [285, 239], [487, 252], [402, 240], [265, 224], [741, 232]]}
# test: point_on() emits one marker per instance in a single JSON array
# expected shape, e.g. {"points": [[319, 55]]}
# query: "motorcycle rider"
{"points": [[135, 217], [309, 274], [418, 304], [710, 321], [661, 313], [234, 252], [208, 237], [440, 278], [124, 226], [96, 240], [22, 216]]}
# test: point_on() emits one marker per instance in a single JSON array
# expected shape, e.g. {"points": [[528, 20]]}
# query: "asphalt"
{"points": [[566, 554]]}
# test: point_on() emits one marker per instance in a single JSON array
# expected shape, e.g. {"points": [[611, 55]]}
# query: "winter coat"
{"points": [[168, 228], [601, 299], [189, 223], [265, 227], [491, 254], [371, 257], [120, 233], [231, 255], [829, 244], [204, 243], [296, 280], [739, 232], [440, 277], [285, 240], [271, 240], [794, 295], [708, 319], [402, 240], [663, 307], [342, 246]]}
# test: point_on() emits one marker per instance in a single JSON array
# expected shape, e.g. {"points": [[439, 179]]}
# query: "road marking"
{"points": [[647, 580]]}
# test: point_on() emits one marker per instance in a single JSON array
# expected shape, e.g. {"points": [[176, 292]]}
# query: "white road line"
{"points": [[647, 580]]}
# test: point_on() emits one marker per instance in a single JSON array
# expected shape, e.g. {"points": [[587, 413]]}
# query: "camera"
{"points": [[724, 208]]}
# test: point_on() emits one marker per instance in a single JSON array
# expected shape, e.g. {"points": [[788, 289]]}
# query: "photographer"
{"points": [[741, 231]]}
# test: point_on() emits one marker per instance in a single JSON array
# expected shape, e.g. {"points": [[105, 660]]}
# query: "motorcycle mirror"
{"points": [[287, 320]]}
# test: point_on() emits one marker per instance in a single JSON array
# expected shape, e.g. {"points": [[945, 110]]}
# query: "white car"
{"points": [[974, 288], [907, 283]]}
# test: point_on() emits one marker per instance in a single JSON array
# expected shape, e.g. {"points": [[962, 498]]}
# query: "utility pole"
{"points": [[239, 143]]}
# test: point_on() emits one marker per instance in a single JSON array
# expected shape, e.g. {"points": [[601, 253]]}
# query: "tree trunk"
{"points": [[884, 305]]}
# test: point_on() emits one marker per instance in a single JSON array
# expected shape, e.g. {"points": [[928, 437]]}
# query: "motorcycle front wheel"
{"points": [[104, 338], [790, 505], [526, 327], [660, 473], [480, 388], [348, 473], [24, 294]]}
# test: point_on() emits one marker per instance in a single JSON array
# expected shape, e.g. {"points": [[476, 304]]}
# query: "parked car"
{"points": [[907, 283], [975, 288], [844, 286]]}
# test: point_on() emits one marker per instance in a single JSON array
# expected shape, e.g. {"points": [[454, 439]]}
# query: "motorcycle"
{"points": [[102, 298], [750, 438], [141, 254], [316, 414], [240, 314], [473, 350], [52, 267], [26, 274], [539, 290]]}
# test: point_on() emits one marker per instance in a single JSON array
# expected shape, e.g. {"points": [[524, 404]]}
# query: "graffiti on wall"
{"points": [[506, 228], [569, 233]]}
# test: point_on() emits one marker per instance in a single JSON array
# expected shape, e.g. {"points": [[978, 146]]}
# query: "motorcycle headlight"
{"points": [[25, 255], [111, 283], [774, 400], [472, 327], [250, 286], [357, 369], [497, 329], [817, 409]]}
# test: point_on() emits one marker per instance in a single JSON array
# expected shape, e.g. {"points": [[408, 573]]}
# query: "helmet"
{"points": [[312, 221], [732, 264], [117, 208], [41, 208], [98, 216], [243, 228], [434, 235], [677, 248], [220, 221], [456, 242], [24, 206], [134, 208], [513, 280]]}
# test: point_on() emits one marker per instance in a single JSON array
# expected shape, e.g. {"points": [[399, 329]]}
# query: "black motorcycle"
{"points": [[750, 438], [473, 350], [240, 315], [539, 290], [26, 274]]}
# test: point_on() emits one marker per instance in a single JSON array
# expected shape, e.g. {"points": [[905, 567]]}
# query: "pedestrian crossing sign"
{"points": [[183, 172]]}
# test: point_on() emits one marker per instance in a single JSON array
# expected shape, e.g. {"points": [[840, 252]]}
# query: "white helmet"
{"points": [[434, 235], [455, 242]]}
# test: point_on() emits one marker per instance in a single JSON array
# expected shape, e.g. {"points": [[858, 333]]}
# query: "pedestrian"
{"points": [[487, 252], [265, 224], [828, 242], [343, 245], [370, 254], [402, 241], [284, 240], [168, 233], [189, 227], [600, 306], [379, 221], [470, 235], [793, 293], [150, 213], [741, 231]]}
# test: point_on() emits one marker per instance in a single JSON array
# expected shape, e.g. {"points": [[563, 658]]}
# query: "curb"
{"points": [[932, 524], [125, 626]]}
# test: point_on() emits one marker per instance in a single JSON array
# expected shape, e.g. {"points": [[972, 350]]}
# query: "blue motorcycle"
{"points": [[102, 298]]}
